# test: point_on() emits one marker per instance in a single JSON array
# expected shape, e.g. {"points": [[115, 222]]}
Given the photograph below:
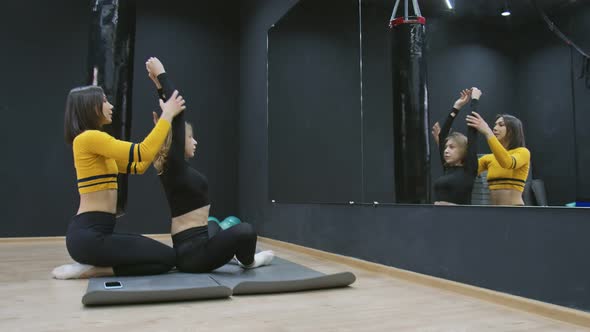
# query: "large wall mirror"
{"points": [[330, 105]]}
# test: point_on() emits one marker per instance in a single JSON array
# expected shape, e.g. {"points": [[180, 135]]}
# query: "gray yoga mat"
{"points": [[279, 277], [156, 288]]}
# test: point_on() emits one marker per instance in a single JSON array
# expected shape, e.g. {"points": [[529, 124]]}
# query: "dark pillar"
{"points": [[110, 65]]}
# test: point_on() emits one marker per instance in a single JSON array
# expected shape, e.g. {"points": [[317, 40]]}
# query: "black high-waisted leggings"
{"points": [[197, 253], [90, 240]]}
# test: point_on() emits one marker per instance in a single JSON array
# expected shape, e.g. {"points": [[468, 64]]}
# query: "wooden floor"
{"points": [[32, 301]]}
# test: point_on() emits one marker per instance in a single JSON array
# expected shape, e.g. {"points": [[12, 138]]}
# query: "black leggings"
{"points": [[197, 253], [90, 240]]}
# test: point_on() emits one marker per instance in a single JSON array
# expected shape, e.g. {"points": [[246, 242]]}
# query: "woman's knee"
{"points": [[246, 230], [168, 257], [81, 248]]}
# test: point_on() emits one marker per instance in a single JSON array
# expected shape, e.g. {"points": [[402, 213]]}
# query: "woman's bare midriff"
{"points": [[506, 197], [195, 218], [106, 201], [103, 201]]}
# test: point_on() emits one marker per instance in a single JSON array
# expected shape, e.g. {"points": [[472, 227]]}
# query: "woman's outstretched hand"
{"points": [[154, 68], [476, 121], [435, 132], [475, 93], [463, 99]]}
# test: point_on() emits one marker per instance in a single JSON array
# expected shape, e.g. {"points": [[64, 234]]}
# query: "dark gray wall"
{"points": [[534, 252], [314, 95], [546, 106], [43, 57], [377, 115], [256, 17]]}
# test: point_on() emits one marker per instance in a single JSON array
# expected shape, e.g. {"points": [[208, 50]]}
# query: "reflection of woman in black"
{"points": [[458, 155]]}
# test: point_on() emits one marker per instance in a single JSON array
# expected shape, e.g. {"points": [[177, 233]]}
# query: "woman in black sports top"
{"points": [[188, 197], [458, 155]]}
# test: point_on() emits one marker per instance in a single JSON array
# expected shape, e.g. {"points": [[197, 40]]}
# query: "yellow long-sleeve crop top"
{"points": [[99, 157], [507, 169]]}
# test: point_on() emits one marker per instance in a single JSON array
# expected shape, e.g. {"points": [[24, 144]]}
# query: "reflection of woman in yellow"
{"points": [[508, 164]]}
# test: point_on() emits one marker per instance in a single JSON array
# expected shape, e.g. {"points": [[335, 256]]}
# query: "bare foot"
{"points": [[80, 271]]}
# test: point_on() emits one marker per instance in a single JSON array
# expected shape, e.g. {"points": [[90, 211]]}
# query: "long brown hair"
{"points": [[162, 156], [83, 111], [514, 131], [160, 159]]}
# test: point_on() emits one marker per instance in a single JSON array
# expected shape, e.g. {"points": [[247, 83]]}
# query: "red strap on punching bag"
{"points": [[406, 19], [411, 20]]}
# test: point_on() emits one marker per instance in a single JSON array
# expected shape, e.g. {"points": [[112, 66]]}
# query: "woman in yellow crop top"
{"points": [[98, 158], [508, 164]]}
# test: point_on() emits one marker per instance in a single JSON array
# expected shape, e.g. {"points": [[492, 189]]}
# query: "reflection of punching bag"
{"points": [[410, 107], [110, 65]]}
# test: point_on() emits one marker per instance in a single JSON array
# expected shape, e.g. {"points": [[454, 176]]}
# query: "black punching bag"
{"points": [[410, 108], [110, 66]]}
